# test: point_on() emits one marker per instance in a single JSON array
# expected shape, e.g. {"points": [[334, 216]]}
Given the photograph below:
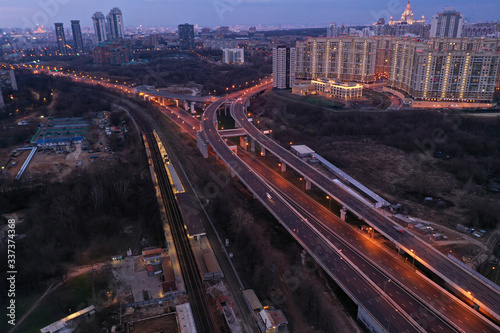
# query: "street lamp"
{"points": [[335, 263], [413, 254], [389, 323], [496, 278], [472, 296], [385, 283], [329, 202]]}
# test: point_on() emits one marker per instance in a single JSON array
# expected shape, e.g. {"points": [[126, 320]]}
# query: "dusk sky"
{"points": [[212, 13]]}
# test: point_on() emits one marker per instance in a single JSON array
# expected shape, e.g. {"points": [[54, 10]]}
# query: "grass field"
{"points": [[72, 296]]}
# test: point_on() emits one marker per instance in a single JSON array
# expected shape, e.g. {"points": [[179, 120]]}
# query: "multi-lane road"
{"points": [[415, 294], [356, 284], [482, 293]]}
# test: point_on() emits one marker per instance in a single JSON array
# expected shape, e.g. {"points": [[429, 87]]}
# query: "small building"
{"points": [[437, 236], [152, 255], [337, 89], [185, 318], [302, 151], [69, 323], [168, 285], [424, 229], [463, 228], [302, 89], [61, 132], [403, 220], [252, 300], [271, 321]]}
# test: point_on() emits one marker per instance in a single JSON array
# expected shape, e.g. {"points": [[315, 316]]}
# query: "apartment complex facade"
{"points": [[458, 70], [441, 69], [346, 59]]}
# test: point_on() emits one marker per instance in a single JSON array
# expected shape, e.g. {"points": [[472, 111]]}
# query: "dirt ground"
{"points": [[398, 177], [160, 323], [54, 166]]}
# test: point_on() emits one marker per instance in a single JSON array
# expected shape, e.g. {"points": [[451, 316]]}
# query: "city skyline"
{"points": [[170, 13]]}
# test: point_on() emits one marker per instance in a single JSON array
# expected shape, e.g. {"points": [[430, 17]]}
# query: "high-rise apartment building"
{"points": [[447, 24], [99, 27], [284, 62], [446, 70], [335, 31], [441, 69], [61, 39], [233, 56], [186, 36], [77, 36], [346, 59], [115, 24]]}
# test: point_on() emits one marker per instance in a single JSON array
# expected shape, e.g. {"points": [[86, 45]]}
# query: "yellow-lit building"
{"points": [[441, 69], [336, 89], [346, 59], [407, 17], [457, 70]]}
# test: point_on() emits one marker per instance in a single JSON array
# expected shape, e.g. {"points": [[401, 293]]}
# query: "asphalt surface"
{"points": [[356, 284], [482, 293]]}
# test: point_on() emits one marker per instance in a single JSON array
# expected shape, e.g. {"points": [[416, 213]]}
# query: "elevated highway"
{"points": [[480, 293], [377, 311]]}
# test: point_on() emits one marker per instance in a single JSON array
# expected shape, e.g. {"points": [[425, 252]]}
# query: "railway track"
{"points": [[202, 313]]}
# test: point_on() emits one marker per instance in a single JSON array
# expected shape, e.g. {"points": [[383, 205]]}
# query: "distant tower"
{"points": [[77, 36], [99, 27], [186, 36], [284, 60], [447, 24], [115, 23], [330, 32], [61, 39], [407, 15]]}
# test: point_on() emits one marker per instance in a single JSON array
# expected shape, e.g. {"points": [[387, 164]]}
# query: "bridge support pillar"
{"points": [[216, 157], [283, 166], [252, 145], [243, 142], [177, 102], [262, 151], [343, 213], [232, 173], [186, 107], [192, 107], [308, 184]]}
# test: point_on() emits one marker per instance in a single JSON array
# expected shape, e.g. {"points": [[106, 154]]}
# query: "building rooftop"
{"points": [[252, 299], [302, 149], [190, 215]]}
